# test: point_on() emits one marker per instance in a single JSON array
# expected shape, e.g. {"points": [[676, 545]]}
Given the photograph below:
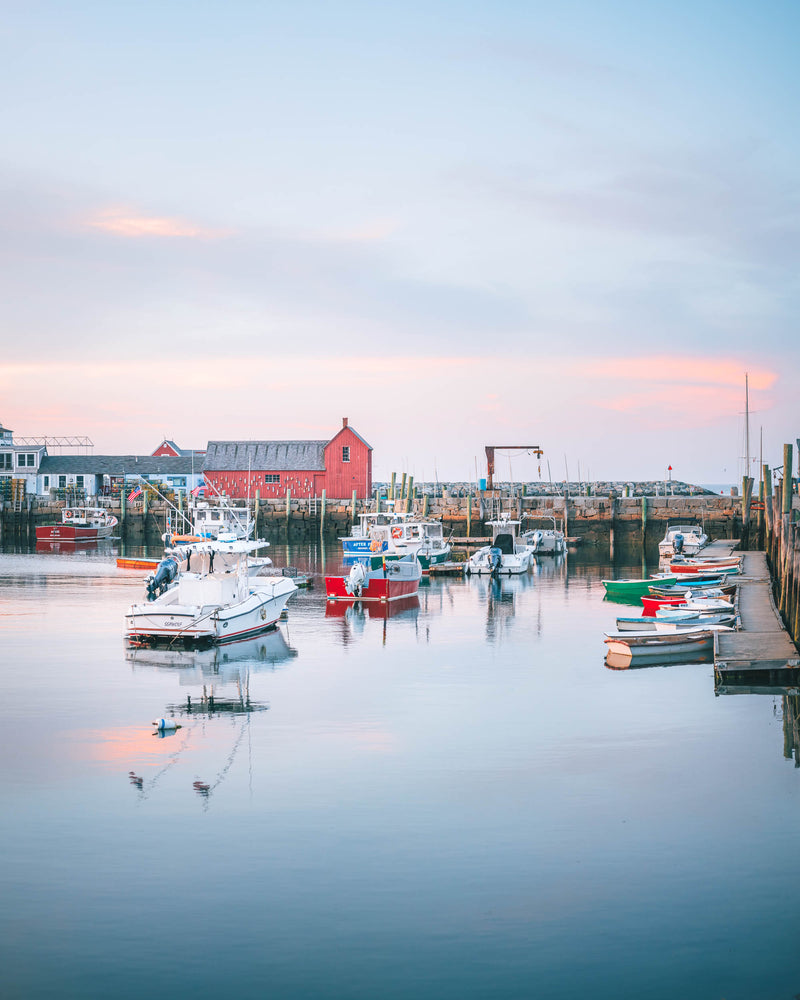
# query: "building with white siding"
{"points": [[98, 474]]}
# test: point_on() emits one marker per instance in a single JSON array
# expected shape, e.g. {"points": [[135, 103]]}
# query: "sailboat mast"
{"points": [[746, 426]]}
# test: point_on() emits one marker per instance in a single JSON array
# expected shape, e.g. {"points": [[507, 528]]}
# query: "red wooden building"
{"points": [[306, 468], [171, 450]]}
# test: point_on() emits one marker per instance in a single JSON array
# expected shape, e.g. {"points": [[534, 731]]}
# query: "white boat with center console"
{"points": [[508, 553], [687, 539], [215, 599]]}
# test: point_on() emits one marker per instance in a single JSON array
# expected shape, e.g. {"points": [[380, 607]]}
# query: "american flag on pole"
{"points": [[134, 493], [198, 490]]}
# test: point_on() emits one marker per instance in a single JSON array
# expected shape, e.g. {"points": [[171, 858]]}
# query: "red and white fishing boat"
{"points": [[381, 580], [78, 524]]}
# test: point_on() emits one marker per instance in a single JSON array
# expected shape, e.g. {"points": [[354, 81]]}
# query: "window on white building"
{"points": [[46, 483], [6, 460], [79, 482], [62, 482], [25, 459]]}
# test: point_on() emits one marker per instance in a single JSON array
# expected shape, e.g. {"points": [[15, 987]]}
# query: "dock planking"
{"points": [[762, 653]]}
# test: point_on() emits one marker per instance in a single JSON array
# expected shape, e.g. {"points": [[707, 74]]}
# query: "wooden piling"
{"points": [[322, 514], [410, 494], [403, 487], [747, 493], [786, 531], [644, 522], [391, 488], [612, 515], [353, 508], [469, 515], [768, 521], [255, 514]]}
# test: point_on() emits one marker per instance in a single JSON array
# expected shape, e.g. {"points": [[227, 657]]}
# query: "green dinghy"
{"points": [[632, 590]]}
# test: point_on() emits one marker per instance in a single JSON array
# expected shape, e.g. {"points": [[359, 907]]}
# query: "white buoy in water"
{"points": [[166, 724]]}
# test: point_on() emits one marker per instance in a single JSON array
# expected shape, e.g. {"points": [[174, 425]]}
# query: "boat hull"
{"points": [[69, 533], [664, 648], [165, 622], [634, 589], [362, 547], [700, 569], [381, 590]]}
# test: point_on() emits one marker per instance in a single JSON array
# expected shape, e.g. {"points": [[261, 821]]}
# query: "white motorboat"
{"points": [[687, 539], [508, 553], [215, 599], [546, 541]]}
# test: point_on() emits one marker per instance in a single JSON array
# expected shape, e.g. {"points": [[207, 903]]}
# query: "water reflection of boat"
{"points": [[66, 545], [501, 587], [353, 609], [226, 662], [615, 661]]}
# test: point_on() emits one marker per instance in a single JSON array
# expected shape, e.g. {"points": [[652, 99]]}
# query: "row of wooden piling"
{"points": [[778, 534]]}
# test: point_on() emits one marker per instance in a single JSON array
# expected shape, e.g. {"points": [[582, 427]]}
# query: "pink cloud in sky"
{"points": [[621, 417], [131, 224], [679, 369]]}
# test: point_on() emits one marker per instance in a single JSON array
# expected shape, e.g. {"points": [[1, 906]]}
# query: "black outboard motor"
{"points": [[165, 573], [677, 543], [495, 560]]}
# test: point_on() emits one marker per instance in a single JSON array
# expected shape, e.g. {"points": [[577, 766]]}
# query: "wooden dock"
{"points": [[761, 656]]}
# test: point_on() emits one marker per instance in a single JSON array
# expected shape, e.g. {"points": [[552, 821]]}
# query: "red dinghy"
{"points": [[651, 604], [379, 580]]}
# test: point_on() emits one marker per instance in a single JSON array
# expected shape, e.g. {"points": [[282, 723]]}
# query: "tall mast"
{"points": [[746, 426]]}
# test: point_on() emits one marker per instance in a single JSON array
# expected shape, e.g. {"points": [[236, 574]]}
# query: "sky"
{"points": [[570, 225]]}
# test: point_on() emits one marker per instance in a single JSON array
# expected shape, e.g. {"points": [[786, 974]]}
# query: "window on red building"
{"points": [[346, 453]]}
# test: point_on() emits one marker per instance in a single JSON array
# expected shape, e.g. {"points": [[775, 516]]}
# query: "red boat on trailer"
{"points": [[380, 580], [78, 524]]}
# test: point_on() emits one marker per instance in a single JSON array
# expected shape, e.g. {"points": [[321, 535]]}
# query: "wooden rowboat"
{"points": [[640, 648]]}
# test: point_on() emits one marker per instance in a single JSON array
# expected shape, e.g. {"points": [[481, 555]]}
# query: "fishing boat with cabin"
{"points": [[378, 579], [78, 524]]}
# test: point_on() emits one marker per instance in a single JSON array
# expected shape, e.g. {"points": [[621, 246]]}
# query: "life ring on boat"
{"points": [[67, 513], [397, 532], [374, 545]]}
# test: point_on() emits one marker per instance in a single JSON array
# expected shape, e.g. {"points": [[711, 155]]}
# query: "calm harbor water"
{"points": [[459, 800]]}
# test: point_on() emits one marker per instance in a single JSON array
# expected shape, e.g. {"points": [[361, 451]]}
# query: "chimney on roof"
{"points": [[344, 421]]}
